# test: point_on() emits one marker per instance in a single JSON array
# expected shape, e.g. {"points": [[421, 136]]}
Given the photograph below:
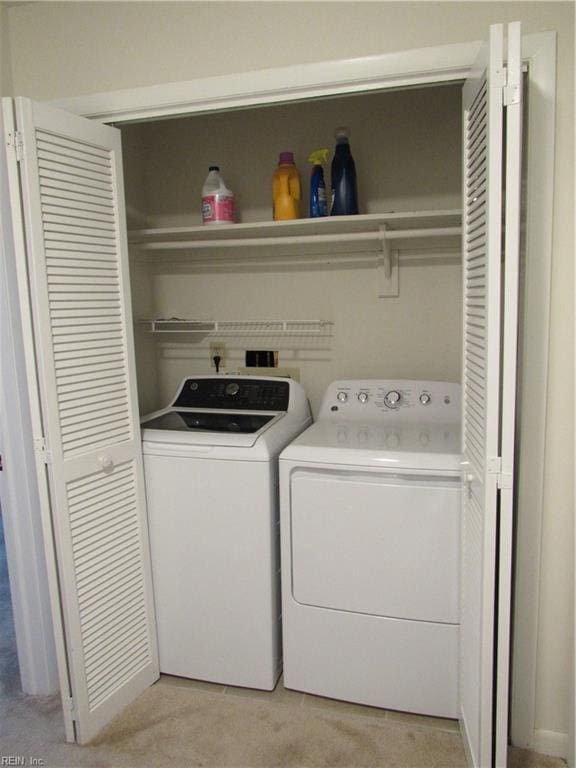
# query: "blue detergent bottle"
{"points": [[344, 189], [318, 204]]}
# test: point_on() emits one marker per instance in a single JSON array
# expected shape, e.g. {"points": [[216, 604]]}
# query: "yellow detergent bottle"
{"points": [[286, 189]]}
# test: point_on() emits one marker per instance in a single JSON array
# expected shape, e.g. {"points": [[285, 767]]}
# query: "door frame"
{"points": [[425, 66]]}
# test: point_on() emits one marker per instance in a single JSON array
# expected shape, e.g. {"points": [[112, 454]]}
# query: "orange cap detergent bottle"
{"points": [[286, 189]]}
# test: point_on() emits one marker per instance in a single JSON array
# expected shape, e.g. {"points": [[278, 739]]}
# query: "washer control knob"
{"points": [[363, 397], [342, 397], [392, 398], [233, 388], [425, 398]]}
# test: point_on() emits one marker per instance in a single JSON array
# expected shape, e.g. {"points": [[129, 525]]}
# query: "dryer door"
{"points": [[385, 545]]}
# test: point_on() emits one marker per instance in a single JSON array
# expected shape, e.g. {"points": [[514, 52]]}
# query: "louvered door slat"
{"points": [[49, 163], [78, 229], [72, 213], [61, 203], [99, 195], [72, 148], [76, 160], [82, 310], [105, 381]]}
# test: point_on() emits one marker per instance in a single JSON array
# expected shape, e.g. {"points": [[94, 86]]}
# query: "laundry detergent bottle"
{"points": [[318, 205], [286, 189], [217, 199], [344, 190]]}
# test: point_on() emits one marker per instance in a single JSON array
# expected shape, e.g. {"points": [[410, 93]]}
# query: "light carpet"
{"points": [[185, 728]]}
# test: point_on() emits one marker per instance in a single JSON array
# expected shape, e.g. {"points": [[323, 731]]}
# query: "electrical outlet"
{"points": [[217, 348]]}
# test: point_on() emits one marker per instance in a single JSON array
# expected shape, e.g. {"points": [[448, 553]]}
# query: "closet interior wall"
{"points": [[407, 149]]}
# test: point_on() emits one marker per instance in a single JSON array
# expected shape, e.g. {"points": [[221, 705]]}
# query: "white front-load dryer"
{"points": [[370, 532], [211, 472]]}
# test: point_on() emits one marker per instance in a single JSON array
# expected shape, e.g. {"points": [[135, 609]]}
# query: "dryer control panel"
{"points": [[395, 400]]}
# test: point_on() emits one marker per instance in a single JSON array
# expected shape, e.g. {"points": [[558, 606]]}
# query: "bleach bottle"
{"points": [[318, 205], [217, 199], [344, 191]]}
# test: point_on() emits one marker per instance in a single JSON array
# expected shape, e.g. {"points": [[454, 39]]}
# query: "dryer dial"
{"points": [[362, 397]]}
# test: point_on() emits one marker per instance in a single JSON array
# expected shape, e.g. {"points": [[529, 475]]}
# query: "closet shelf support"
{"points": [[387, 266]]}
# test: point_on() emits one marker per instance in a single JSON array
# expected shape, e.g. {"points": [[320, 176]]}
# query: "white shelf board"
{"points": [[327, 230]]}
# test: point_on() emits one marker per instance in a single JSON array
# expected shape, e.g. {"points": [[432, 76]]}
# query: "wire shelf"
{"points": [[240, 327]]}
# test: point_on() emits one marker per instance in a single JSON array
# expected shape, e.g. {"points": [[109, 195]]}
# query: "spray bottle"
{"points": [[317, 185]]}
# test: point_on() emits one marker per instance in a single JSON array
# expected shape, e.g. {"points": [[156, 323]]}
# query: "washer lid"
{"points": [[209, 428], [207, 421], [410, 446]]}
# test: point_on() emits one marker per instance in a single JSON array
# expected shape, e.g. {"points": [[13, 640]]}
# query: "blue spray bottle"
{"points": [[318, 206]]}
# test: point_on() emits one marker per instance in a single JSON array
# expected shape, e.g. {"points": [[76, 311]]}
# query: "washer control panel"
{"points": [[400, 400], [234, 394]]}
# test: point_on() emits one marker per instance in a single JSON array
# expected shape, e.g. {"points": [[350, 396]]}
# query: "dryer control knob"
{"points": [[392, 398], [342, 396], [363, 397], [425, 398]]}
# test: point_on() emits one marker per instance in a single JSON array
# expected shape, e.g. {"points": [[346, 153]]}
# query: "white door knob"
{"points": [[105, 462]]}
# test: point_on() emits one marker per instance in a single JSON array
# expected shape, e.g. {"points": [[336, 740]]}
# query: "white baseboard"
{"points": [[550, 743]]}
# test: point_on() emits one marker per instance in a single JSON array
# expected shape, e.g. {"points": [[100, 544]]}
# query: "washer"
{"points": [[211, 471], [370, 531]]}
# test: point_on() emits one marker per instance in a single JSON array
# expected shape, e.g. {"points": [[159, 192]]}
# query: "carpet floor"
{"points": [[189, 725]]}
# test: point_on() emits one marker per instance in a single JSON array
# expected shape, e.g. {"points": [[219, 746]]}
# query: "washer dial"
{"points": [[392, 399], [233, 388]]}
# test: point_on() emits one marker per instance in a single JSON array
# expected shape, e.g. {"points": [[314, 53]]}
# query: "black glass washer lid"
{"points": [[186, 421]]}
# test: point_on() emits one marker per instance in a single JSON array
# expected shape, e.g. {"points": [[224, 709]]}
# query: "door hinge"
{"points": [[494, 465], [71, 708], [511, 94], [504, 480], [40, 448], [14, 141]]}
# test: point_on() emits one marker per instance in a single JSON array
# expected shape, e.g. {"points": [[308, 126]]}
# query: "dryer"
{"points": [[370, 532], [211, 473]]}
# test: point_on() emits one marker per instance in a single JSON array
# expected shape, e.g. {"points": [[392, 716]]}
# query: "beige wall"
{"points": [[64, 49], [5, 62]]}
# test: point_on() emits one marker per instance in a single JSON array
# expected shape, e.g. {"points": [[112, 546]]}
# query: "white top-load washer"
{"points": [[211, 472], [370, 532]]}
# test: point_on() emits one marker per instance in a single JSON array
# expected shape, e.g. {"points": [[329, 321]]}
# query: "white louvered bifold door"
{"points": [[72, 188], [484, 611]]}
